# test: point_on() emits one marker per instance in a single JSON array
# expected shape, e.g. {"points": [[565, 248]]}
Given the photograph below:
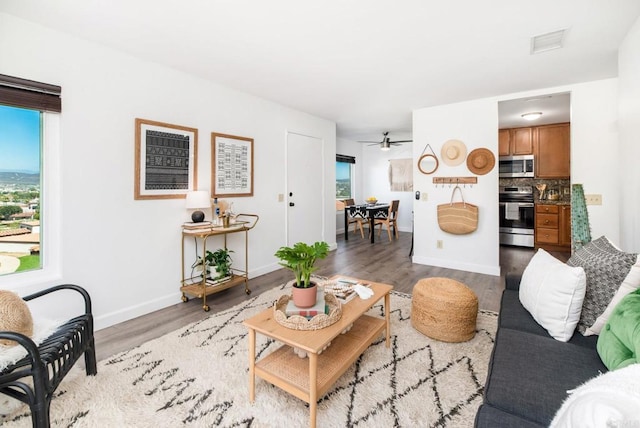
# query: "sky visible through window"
{"points": [[19, 140], [342, 170], [343, 180]]}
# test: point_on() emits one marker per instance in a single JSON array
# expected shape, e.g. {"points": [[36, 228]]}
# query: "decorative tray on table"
{"points": [[299, 322]]}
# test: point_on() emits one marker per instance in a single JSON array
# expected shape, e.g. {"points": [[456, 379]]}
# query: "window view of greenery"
{"points": [[20, 137], [343, 180]]}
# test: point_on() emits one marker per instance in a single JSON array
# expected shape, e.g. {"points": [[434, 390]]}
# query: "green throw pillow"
{"points": [[619, 341]]}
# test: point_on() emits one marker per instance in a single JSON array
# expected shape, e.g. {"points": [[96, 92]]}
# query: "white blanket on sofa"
{"points": [[42, 328], [609, 400]]}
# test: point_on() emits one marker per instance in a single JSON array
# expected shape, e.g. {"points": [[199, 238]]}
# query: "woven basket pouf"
{"points": [[444, 309]]}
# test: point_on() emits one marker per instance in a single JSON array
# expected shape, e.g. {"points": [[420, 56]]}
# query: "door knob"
{"points": [[291, 204]]}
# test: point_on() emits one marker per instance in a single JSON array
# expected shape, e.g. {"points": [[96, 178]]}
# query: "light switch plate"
{"points": [[593, 199], [424, 196]]}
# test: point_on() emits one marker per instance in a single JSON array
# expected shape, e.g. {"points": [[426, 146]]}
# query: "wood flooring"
{"points": [[383, 261]]}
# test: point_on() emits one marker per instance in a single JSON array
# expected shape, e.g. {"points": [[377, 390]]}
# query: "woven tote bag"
{"points": [[458, 218]]}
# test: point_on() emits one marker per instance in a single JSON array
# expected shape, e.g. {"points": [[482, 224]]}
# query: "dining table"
{"points": [[369, 212]]}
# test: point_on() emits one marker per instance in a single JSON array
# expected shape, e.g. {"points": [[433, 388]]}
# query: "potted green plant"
{"points": [[221, 261], [301, 259], [218, 261]]}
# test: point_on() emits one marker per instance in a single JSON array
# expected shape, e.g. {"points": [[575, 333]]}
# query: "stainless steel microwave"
{"points": [[515, 166]]}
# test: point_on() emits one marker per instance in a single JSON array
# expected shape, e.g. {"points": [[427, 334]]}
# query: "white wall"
{"points": [[127, 252], [629, 124], [595, 152], [376, 180], [476, 124]]}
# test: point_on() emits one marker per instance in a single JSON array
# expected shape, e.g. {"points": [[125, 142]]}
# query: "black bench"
{"points": [[47, 364]]}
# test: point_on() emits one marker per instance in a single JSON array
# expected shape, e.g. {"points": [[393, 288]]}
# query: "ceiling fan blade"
{"points": [[385, 140], [374, 144]]}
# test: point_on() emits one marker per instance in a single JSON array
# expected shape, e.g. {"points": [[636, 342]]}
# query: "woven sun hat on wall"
{"points": [[15, 316], [453, 152], [481, 161], [444, 309]]}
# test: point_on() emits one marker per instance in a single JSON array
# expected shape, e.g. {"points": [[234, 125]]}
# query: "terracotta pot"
{"points": [[304, 297]]}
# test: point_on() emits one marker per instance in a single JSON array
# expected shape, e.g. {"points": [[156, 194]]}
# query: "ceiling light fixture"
{"points": [[532, 116], [385, 146]]}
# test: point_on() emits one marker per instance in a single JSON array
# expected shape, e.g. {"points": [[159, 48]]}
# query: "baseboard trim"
{"points": [[467, 267]]}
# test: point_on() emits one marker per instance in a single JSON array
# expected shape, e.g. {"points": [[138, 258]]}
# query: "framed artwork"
{"points": [[231, 165], [165, 160]]}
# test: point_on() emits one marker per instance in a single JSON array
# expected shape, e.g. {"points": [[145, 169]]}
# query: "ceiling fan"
{"points": [[386, 143]]}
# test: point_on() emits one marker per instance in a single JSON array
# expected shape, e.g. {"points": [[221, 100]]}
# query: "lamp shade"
{"points": [[198, 199]]}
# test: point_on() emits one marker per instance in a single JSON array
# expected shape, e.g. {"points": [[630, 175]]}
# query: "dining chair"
{"points": [[356, 221], [390, 221]]}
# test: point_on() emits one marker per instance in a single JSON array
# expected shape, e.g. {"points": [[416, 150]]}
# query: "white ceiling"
{"points": [[365, 64], [555, 108]]}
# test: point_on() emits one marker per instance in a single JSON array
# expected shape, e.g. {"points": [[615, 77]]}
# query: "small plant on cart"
{"points": [[218, 261]]}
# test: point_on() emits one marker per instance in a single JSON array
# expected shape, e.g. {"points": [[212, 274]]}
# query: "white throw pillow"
{"points": [[609, 400], [553, 292]]}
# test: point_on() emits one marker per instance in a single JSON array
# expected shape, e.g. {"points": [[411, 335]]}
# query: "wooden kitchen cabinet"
{"points": [[553, 227], [552, 151], [515, 142], [565, 226]]}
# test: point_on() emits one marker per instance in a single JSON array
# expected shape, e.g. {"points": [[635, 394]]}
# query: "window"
{"points": [[25, 123], [20, 145], [344, 176]]}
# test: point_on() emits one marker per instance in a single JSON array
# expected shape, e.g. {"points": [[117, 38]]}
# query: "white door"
{"points": [[305, 199]]}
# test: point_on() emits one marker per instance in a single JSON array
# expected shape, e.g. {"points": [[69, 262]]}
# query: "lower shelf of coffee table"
{"points": [[283, 368]]}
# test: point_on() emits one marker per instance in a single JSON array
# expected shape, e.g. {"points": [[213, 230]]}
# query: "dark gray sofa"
{"points": [[530, 372]]}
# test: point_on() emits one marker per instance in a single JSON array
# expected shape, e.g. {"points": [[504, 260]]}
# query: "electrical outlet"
{"points": [[593, 199], [424, 196], [439, 244]]}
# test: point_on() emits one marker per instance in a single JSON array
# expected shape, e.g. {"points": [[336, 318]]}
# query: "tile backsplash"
{"points": [[562, 186]]}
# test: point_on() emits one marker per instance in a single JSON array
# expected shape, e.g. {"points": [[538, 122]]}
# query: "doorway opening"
{"points": [[534, 164]]}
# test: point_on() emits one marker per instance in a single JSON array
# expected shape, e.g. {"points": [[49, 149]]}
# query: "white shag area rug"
{"points": [[197, 376]]}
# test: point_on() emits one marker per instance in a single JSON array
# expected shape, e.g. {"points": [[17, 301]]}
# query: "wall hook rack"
{"points": [[455, 180]]}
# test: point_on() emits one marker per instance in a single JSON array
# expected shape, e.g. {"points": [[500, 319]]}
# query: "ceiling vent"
{"points": [[547, 42]]}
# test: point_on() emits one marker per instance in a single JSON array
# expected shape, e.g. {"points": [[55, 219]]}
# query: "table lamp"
{"points": [[197, 200]]}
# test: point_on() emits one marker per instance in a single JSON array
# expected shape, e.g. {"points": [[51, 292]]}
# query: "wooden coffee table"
{"points": [[312, 377]]}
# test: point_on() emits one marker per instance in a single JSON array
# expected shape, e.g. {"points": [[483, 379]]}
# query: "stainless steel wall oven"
{"points": [[516, 216]]}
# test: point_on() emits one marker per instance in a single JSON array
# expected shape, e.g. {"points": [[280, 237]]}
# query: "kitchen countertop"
{"points": [[549, 202]]}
